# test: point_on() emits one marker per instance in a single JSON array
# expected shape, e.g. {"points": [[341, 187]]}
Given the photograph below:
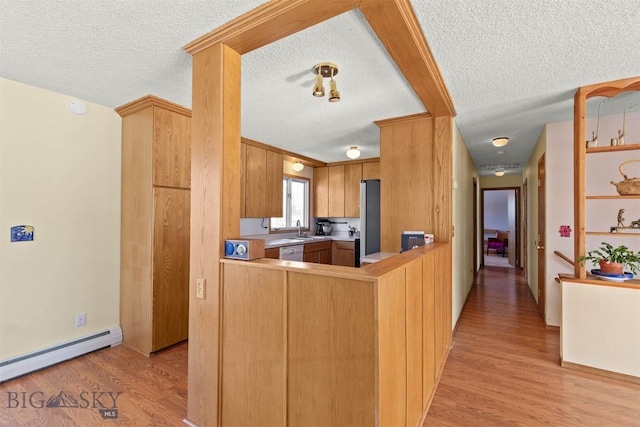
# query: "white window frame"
{"points": [[289, 179]]}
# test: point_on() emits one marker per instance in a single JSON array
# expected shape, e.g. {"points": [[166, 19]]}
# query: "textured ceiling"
{"points": [[510, 65]]}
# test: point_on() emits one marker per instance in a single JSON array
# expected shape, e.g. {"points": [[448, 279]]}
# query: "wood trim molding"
{"points": [[397, 27], [271, 22], [601, 372], [403, 119], [610, 89], [288, 155], [151, 101], [354, 162]]}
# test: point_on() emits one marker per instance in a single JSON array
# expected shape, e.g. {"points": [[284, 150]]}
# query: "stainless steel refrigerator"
{"points": [[369, 216]]}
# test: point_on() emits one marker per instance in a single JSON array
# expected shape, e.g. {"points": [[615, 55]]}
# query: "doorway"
{"points": [[500, 226]]}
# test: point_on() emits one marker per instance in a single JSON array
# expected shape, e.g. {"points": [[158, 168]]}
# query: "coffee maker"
{"points": [[323, 227]]}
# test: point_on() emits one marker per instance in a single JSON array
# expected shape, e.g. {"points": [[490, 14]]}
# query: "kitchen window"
{"points": [[295, 204]]}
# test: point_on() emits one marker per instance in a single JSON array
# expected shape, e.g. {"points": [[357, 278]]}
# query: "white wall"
{"points": [[496, 209], [601, 169], [601, 327], [464, 171], [60, 173]]}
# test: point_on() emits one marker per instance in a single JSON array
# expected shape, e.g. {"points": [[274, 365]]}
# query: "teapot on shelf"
{"points": [[630, 186]]}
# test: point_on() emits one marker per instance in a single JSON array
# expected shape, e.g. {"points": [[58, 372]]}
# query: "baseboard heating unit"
{"points": [[20, 365]]}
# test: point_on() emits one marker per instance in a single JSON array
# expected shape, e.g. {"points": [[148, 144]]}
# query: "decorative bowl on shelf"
{"points": [[612, 277]]}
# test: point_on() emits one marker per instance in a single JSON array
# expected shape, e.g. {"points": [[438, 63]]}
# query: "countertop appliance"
{"points": [[244, 249], [369, 216], [323, 227], [292, 253]]}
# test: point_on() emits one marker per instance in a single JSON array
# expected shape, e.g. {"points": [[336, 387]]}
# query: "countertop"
{"points": [[378, 256], [293, 240]]}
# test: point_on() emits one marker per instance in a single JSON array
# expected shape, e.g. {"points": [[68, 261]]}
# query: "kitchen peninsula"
{"points": [[252, 375], [314, 344]]}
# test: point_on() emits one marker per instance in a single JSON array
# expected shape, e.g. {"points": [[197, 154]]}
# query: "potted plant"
{"points": [[613, 260]]}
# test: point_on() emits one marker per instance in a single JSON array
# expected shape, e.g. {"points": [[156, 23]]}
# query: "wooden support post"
{"points": [[215, 215]]}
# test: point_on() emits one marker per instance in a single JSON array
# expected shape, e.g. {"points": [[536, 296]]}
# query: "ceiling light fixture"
{"points": [[499, 172], [500, 141], [322, 70], [297, 166], [353, 152]]}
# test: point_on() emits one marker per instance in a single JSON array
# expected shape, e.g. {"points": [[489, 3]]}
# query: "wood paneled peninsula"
{"points": [[306, 344]]}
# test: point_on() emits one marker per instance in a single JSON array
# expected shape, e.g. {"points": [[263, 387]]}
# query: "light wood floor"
{"points": [[153, 390], [502, 371], [504, 368], [496, 260]]}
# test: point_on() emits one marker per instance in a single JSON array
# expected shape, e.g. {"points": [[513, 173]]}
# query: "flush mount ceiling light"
{"points": [[297, 166], [353, 152], [500, 141], [499, 172], [322, 70], [77, 107]]}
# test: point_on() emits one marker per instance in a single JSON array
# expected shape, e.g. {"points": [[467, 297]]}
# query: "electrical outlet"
{"points": [[81, 319], [200, 288]]}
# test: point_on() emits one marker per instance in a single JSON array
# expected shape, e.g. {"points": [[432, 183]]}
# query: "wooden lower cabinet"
{"points": [[325, 347], [319, 252], [343, 253], [154, 306], [170, 299], [273, 253]]}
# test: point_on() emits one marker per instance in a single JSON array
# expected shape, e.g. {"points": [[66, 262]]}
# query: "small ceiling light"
{"points": [[334, 95], [318, 89], [297, 166], [500, 141], [322, 70], [499, 172], [353, 152]]}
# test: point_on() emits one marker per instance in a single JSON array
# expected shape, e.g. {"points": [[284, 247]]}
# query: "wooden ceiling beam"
{"points": [[397, 27], [271, 22]]}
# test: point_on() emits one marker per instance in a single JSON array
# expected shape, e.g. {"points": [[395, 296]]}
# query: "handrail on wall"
{"points": [[566, 258]]}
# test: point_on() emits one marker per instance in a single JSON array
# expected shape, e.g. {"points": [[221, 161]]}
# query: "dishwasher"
{"points": [[292, 253]]}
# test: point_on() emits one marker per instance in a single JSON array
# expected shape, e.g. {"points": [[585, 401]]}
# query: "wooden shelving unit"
{"points": [[607, 89], [611, 197], [608, 149]]}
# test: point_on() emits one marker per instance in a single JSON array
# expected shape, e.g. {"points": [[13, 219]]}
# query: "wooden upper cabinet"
{"points": [[336, 191], [255, 171], [337, 188], [352, 178], [371, 170], [169, 127], [262, 170], [171, 149], [321, 192], [273, 203]]}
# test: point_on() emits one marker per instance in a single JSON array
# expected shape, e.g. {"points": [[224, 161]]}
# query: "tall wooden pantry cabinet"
{"points": [[154, 254]]}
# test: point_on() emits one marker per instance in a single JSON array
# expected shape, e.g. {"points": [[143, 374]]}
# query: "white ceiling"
{"points": [[510, 65]]}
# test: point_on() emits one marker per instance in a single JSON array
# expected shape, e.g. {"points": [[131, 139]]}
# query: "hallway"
{"points": [[503, 369]]}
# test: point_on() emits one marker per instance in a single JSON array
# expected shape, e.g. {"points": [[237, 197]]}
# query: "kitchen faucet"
{"points": [[299, 228]]}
